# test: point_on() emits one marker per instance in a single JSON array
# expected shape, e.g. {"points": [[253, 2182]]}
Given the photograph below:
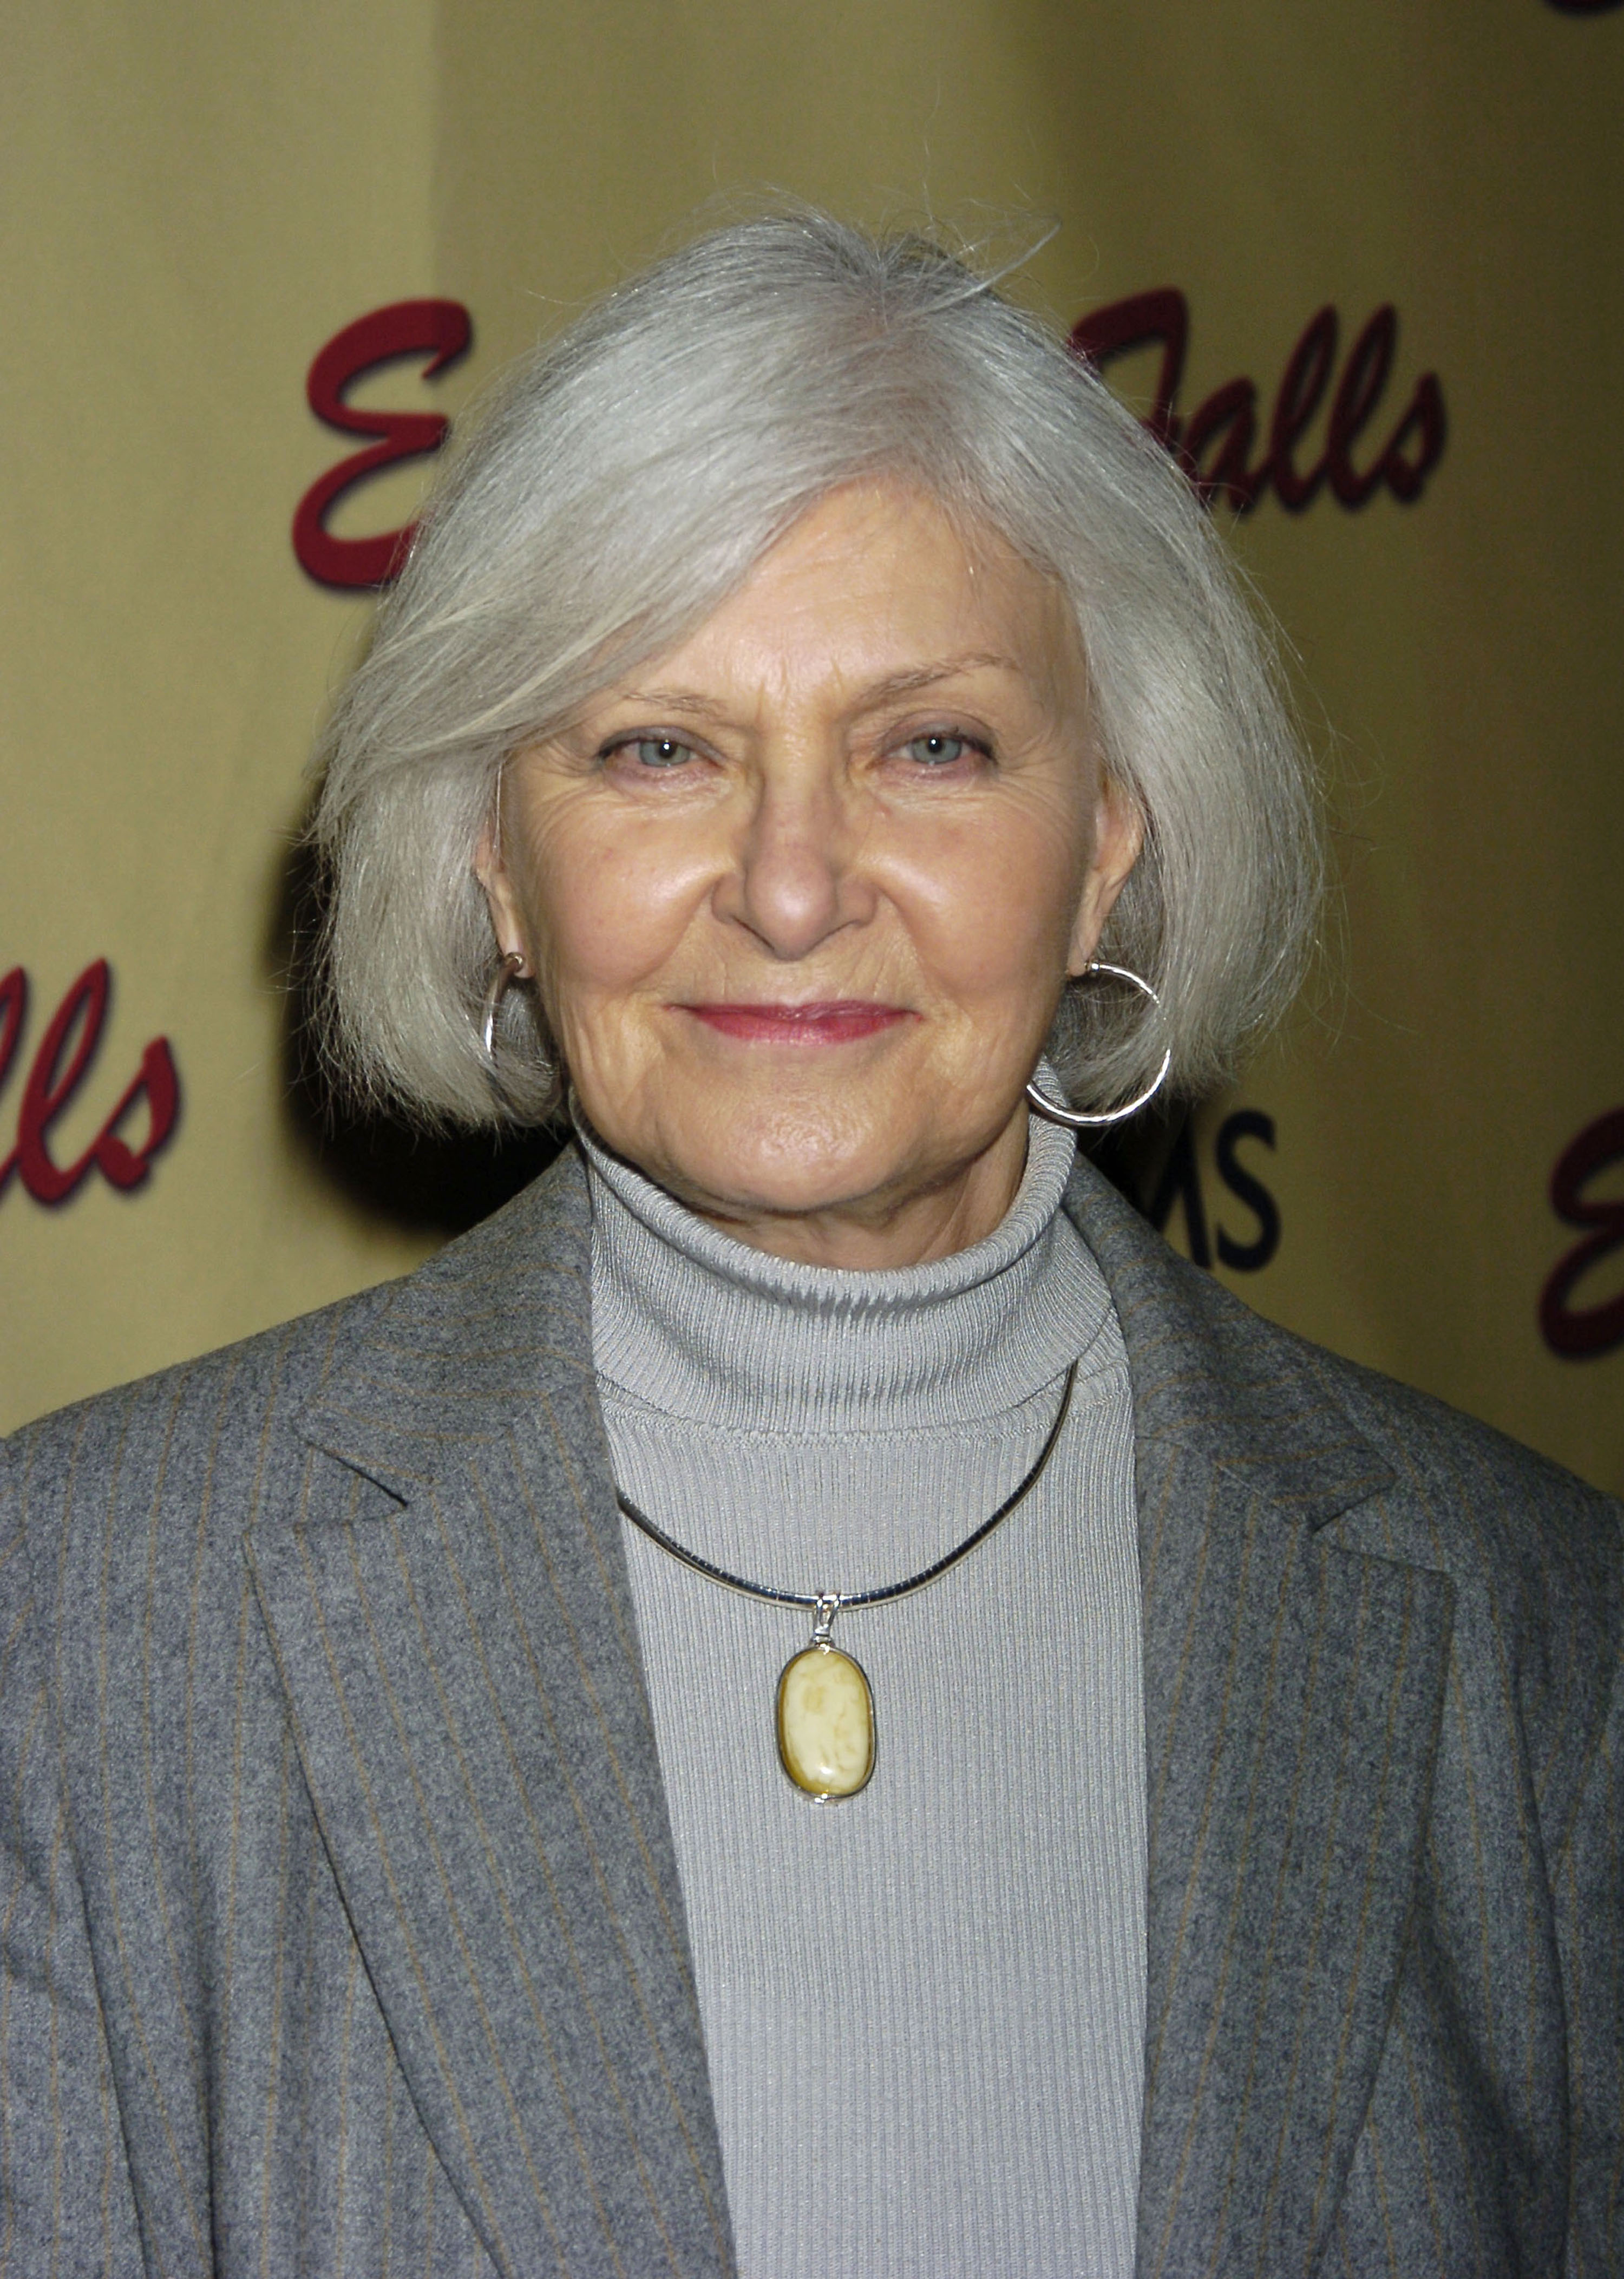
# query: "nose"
{"points": [[796, 879]]}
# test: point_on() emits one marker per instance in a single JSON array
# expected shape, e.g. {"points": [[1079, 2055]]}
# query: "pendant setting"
{"points": [[825, 1720]]}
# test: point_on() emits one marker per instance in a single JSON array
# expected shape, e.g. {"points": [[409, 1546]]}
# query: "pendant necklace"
{"points": [[825, 1705]]}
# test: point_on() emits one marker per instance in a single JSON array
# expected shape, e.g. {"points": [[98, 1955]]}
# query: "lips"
{"points": [[841, 1021]]}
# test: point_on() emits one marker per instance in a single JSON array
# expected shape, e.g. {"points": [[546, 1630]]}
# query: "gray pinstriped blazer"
{"points": [[340, 1922]]}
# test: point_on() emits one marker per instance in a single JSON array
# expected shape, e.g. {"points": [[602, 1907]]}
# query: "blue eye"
{"points": [[659, 752], [936, 748]]}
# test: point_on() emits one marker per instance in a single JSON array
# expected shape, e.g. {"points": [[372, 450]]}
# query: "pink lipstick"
{"points": [[840, 1021]]}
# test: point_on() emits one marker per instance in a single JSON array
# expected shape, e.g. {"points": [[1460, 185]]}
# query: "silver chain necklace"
{"points": [[825, 1704]]}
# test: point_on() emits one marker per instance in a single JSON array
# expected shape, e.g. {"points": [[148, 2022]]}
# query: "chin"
{"points": [[789, 1160]]}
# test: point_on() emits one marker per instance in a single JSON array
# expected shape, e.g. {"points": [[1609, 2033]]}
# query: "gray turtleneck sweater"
{"points": [[923, 2007]]}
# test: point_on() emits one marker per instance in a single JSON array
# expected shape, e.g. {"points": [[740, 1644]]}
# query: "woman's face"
{"points": [[801, 894]]}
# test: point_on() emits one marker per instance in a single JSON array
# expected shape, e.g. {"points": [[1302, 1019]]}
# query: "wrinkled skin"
{"points": [[801, 896]]}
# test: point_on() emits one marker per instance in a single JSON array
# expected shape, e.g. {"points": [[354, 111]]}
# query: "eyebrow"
{"points": [[926, 676], [884, 691]]}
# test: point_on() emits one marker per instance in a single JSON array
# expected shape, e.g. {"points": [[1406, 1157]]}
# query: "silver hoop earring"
{"points": [[512, 965], [1073, 1120]]}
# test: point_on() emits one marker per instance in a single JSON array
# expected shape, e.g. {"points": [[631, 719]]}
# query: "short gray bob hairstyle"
{"points": [[626, 478]]}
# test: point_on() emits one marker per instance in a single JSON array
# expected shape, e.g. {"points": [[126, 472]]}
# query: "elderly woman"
{"points": [[809, 1698]]}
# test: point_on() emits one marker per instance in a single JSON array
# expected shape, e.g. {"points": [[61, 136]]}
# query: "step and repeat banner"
{"points": [[1358, 266]]}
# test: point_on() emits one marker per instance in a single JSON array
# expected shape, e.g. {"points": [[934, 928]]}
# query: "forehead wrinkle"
{"points": [[883, 691]]}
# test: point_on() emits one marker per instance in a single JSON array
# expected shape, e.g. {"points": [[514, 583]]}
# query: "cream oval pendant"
{"points": [[825, 1722], [825, 1709]]}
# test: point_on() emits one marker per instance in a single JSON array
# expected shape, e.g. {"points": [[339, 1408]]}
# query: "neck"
{"points": [[721, 1332]]}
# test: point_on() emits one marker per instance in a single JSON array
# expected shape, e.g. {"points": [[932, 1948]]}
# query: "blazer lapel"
{"points": [[1292, 1697], [453, 1629]]}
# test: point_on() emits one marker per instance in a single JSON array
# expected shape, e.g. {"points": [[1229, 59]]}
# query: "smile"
{"points": [[840, 1022]]}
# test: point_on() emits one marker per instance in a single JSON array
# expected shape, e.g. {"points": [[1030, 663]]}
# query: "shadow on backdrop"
{"points": [[425, 1182]]}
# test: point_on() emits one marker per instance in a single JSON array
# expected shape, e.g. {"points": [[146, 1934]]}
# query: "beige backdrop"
{"points": [[196, 199]]}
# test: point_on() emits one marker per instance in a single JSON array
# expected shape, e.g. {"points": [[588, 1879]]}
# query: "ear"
{"points": [[501, 897], [1119, 839]]}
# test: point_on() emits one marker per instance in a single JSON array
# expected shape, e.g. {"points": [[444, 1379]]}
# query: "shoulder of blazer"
{"points": [[219, 1445], [1378, 1466], [1210, 1372]]}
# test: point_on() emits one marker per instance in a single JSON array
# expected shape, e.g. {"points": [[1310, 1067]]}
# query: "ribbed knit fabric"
{"points": [[923, 2007]]}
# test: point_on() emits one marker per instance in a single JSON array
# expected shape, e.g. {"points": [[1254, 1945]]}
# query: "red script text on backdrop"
{"points": [[59, 1068], [1580, 1332], [1215, 443], [440, 330]]}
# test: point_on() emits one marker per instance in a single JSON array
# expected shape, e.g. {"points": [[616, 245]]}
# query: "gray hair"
{"points": [[625, 480]]}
